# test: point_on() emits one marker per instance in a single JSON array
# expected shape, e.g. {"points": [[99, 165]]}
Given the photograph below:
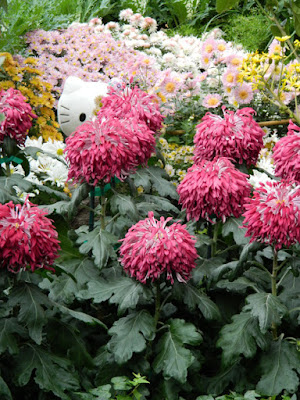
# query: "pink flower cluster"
{"points": [[151, 249], [213, 189], [272, 215], [108, 147], [18, 115], [286, 154], [133, 103], [27, 238], [236, 136]]}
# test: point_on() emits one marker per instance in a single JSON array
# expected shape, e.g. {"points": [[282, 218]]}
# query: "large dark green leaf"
{"points": [[52, 373], [4, 390], [79, 315], [118, 290], [219, 382], [240, 285], [98, 241], [129, 335], [9, 327], [295, 7], [233, 225], [64, 287], [124, 205], [242, 336], [31, 313], [224, 5], [194, 298], [267, 308], [173, 358], [279, 366]]}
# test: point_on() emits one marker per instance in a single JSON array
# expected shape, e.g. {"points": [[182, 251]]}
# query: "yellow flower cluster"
{"points": [[28, 80], [178, 159]]}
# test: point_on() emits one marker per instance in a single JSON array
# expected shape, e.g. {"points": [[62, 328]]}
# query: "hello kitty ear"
{"points": [[72, 84]]}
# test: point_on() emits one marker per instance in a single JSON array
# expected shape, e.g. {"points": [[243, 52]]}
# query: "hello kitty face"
{"points": [[78, 102]]}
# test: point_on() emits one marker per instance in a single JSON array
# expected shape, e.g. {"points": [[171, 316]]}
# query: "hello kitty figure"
{"points": [[79, 102]]}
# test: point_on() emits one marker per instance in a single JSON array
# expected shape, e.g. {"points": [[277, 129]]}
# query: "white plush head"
{"points": [[77, 102]]}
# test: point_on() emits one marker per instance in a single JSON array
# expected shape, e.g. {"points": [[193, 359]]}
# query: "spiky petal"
{"points": [[151, 249], [236, 136], [213, 188]]}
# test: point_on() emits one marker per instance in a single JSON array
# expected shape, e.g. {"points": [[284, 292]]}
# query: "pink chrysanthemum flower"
{"points": [[209, 46], [286, 154], [27, 238], [151, 248], [243, 94], [101, 149], [18, 115], [235, 136], [272, 214], [212, 100], [133, 102], [229, 78], [213, 189]]}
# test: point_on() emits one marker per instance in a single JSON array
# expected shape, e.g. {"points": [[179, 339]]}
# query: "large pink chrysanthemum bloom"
{"points": [[103, 148], [133, 102], [18, 115], [236, 136], [213, 189], [151, 248], [272, 214], [27, 238], [286, 154]]}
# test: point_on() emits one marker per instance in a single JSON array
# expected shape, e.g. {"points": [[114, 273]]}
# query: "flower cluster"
{"points": [[286, 154], [236, 136], [213, 189], [106, 147], [151, 249], [27, 238], [18, 116], [27, 79], [272, 214]]}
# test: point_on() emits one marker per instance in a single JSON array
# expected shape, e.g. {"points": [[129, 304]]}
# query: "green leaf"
{"points": [[129, 335], [224, 5], [242, 336], [123, 291], [267, 308], [31, 313], [240, 285], [279, 366], [52, 373], [124, 205], [194, 298], [99, 242], [2, 116], [158, 203], [233, 225], [4, 390], [295, 7], [64, 287], [81, 316], [173, 358], [219, 382], [8, 339]]}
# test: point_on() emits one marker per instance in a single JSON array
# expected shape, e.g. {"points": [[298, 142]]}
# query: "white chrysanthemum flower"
{"points": [[55, 147], [170, 170], [58, 175], [257, 178]]}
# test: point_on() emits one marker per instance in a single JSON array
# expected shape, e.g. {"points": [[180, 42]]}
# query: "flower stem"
{"points": [[157, 303], [274, 287]]}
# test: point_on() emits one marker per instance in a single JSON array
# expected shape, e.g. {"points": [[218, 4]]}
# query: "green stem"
{"points": [[274, 287], [103, 209], [157, 304], [92, 206], [214, 240]]}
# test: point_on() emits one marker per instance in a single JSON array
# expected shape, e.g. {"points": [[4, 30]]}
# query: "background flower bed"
{"points": [[78, 332]]}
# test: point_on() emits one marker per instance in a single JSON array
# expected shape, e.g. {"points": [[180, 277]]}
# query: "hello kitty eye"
{"points": [[82, 117]]}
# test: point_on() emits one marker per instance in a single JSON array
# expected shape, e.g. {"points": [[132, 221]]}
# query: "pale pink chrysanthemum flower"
{"points": [[151, 248], [136, 19], [276, 48], [212, 100], [229, 77], [233, 60], [106, 147], [27, 238], [213, 189], [133, 102], [236, 136], [149, 23], [272, 214], [286, 154], [243, 94], [209, 46], [18, 115]]}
